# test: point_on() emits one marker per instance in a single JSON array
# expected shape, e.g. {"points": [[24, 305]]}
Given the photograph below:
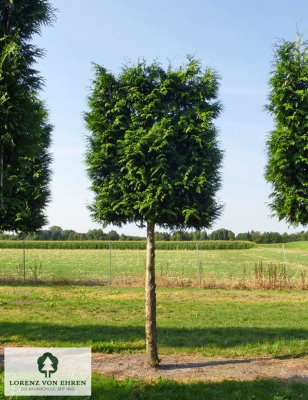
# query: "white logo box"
{"points": [[40, 371]]}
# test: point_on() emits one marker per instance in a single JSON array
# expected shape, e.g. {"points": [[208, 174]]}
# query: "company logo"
{"points": [[47, 371], [47, 364]]}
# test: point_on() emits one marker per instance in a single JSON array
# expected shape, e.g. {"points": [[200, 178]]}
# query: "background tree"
{"points": [[25, 133], [153, 156], [244, 236], [96, 234], [56, 232], [287, 146], [112, 235], [66, 233], [180, 236], [231, 235], [203, 235], [222, 234], [162, 236]]}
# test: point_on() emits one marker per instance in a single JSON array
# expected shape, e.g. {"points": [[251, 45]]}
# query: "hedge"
{"points": [[125, 245]]}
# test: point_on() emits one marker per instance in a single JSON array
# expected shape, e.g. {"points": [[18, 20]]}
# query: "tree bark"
{"points": [[1, 176], [151, 359]]}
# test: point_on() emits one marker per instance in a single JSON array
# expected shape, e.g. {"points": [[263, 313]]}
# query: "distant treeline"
{"points": [[57, 233], [225, 234], [126, 245]]}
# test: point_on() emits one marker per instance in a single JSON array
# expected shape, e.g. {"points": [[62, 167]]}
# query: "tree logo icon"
{"points": [[47, 364]]}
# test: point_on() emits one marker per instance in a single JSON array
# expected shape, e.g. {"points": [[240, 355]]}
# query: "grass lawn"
{"points": [[83, 265], [208, 322], [107, 388], [111, 319]]}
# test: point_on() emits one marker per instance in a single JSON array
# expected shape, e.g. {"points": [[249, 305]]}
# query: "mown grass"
{"points": [[208, 322], [107, 388], [231, 323], [129, 265]]}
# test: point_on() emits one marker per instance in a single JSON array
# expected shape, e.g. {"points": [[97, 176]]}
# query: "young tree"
{"points": [[153, 156], [287, 146], [25, 133]]}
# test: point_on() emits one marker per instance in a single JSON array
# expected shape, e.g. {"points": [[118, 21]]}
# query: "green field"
{"points": [[232, 323], [172, 266], [111, 319], [303, 245]]}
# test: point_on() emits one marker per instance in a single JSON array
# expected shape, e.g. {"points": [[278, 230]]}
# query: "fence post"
{"points": [[285, 264], [110, 269], [24, 258], [198, 263]]}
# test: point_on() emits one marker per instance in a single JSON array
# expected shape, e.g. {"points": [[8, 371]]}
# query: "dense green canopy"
{"points": [[25, 132], [287, 144], [153, 153]]}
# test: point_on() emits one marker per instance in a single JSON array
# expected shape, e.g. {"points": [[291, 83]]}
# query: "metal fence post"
{"points": [[285, 264], [110, 266], [198, 263], [24, 258]]}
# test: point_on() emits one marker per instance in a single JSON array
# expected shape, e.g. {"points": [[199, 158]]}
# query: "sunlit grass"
{"points": [[208, 322], [233, 323], [108, 388]]}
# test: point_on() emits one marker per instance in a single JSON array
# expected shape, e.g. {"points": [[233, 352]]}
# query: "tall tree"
{"points": [[25, 132], [287, 144], [153, 156]]}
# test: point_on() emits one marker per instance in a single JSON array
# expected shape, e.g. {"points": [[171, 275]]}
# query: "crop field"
{"points": [[173, 267]]}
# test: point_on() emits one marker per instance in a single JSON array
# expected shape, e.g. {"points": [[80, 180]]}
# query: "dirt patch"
{"points": [[197, 368], [23, 301], [191, 368]]}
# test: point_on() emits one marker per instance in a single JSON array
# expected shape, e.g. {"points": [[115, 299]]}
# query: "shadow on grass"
{"points": [[168, 367], [109, 388], [104, 388], [109, 339]]}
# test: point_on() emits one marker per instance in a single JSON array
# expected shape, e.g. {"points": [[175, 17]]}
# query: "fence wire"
{"points": [[127, 266]]}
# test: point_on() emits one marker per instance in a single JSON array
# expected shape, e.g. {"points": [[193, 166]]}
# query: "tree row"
{"points": [[57, 233]]}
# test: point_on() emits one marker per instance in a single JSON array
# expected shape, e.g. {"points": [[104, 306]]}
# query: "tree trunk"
{"points": [[1, 176], [151, 359]]}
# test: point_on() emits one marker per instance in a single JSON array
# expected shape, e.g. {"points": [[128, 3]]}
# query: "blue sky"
{"points": [[234, 37]]}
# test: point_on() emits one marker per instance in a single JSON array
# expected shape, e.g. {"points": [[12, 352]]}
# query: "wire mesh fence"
{"points": [[56, 265], [208, 268], [93, 266]]}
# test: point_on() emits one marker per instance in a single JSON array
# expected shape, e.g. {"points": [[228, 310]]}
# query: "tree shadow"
{"points": [[168, 367], [108, 388], [111, 338], [261, 389]]}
